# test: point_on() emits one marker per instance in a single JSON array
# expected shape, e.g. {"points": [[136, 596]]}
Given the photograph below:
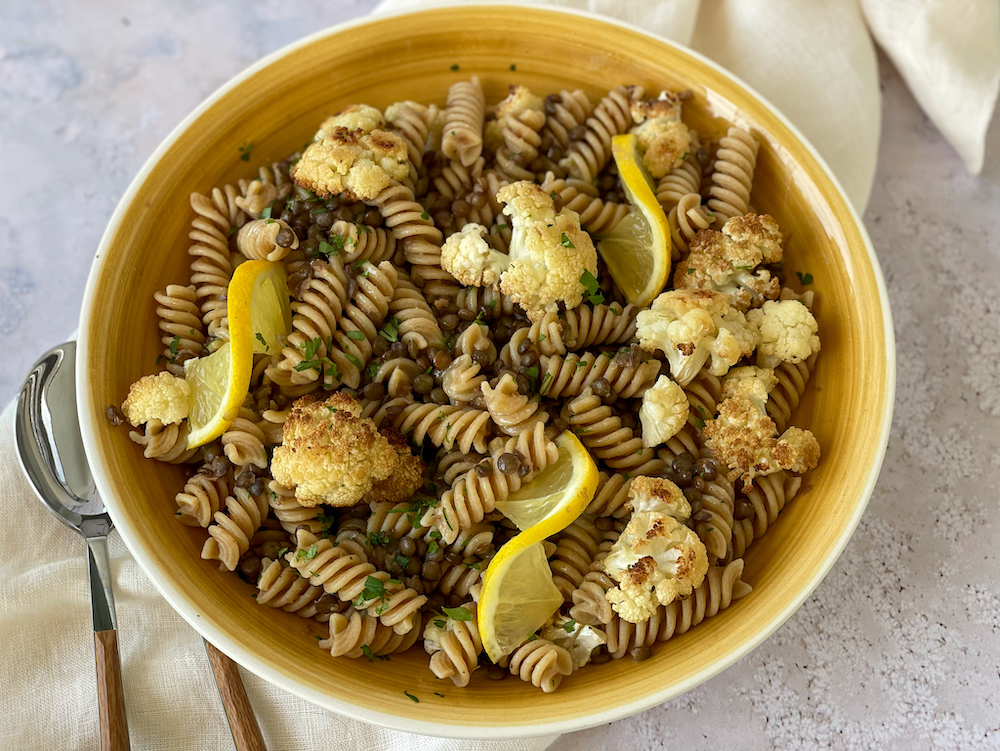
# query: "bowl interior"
{"points": [[277, 107]]}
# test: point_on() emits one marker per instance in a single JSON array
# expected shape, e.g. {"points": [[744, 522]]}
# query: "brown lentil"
{"points": [[640, 654]]}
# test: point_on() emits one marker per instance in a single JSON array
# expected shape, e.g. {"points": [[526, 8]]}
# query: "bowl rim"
{"points": [[219, 639]]}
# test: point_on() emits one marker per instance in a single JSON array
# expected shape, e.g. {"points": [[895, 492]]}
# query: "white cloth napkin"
{"points": [[814, 61]]}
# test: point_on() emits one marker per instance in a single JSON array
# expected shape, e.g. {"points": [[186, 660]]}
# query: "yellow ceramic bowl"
{"points": [[277, 105]]}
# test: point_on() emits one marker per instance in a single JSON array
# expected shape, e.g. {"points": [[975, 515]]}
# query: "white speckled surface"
{"points": [[898, 649]]}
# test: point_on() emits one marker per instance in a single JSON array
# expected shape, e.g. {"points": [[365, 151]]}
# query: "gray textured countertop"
{"points": [[899, 648]]}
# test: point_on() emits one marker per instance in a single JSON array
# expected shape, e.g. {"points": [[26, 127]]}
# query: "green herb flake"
{"points": [[440, 623], [282, 552], [372, 370], [266, 213], [513, 66], [804, 279], [433, 547], [593, 287], [378, 538], [174, 343], [390, 332], [438, 694], [262, 340], [567, 243], [425, 216], [367, 652], [700, 421], [356, 335], [454, 67], [245, 151], [356, 362], [458, 614], [403, 561], [414, 698], [569, 627], [690, 270], [491, 304], [546, 384]]}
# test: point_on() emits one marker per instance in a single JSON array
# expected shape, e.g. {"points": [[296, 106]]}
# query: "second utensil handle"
{"points": [[110, 696], [242, 722]]}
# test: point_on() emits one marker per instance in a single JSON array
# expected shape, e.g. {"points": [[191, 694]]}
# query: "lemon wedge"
{"points": [[637, 250], [559, 494], [518, 594], [259, 319]]}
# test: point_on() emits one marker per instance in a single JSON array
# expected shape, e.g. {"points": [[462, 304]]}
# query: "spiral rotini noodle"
{"points": [[462, 381], [180, 322], [569, 375], [352, 632], [611, 496], [686, 220], [768, 495], [282, 587], [363, 243], [735, 161], [415, 322], [511, 411], [457, 654], [211, 265], [602, 432], [609, 118], [289, 512], [462, 137], [576, 547], [230, 534], [784, 397], [443, 425], [569, 110], [201, 497], [541, 663], [165, 443], [472, 496], [596, 215]]}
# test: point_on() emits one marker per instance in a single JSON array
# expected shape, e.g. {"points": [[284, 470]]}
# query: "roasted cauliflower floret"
{"points": [[656, 560], [752, 382], [659, 495], [357, 163], [330, 454], [663, 139], [549, 252], [580, 641], [691, 326], [663, 413], [786, 333], [353, 117], [405, 480], [727, 261], [162, 397], [468, 257], [745, 441]]}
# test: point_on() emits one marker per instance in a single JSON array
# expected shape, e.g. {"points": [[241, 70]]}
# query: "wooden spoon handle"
{"points": [[242, 722], [110, 696]]}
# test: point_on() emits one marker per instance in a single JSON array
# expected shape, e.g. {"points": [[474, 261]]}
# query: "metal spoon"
{"points": [[50, 448]]}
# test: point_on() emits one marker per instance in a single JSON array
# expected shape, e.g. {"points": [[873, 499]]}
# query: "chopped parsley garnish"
{"points": [[458, 614], [331, 248], [581, 364], [700, 421], [309, 553], [374, 590], [437, 694], [174, 344], [378, 538], [266, 213], [353, 359], [367, 652], [569, 626], [690, 270], [402, 560], [745, 268], [262, 340], [356, 335], [245, 151], [454, 67], [590, 283], [546, 383], [541, 337], [532, 374], [432, 547], [425, 216], [804, 279], [479, 319], [566, 242], [390, 332], [491, 304], [414, 698], [282, 552], [513, 66], [372, 370], [473, 565]]}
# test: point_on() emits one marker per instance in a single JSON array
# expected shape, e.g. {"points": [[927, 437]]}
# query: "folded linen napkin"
{"points": [[814, 61]]}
